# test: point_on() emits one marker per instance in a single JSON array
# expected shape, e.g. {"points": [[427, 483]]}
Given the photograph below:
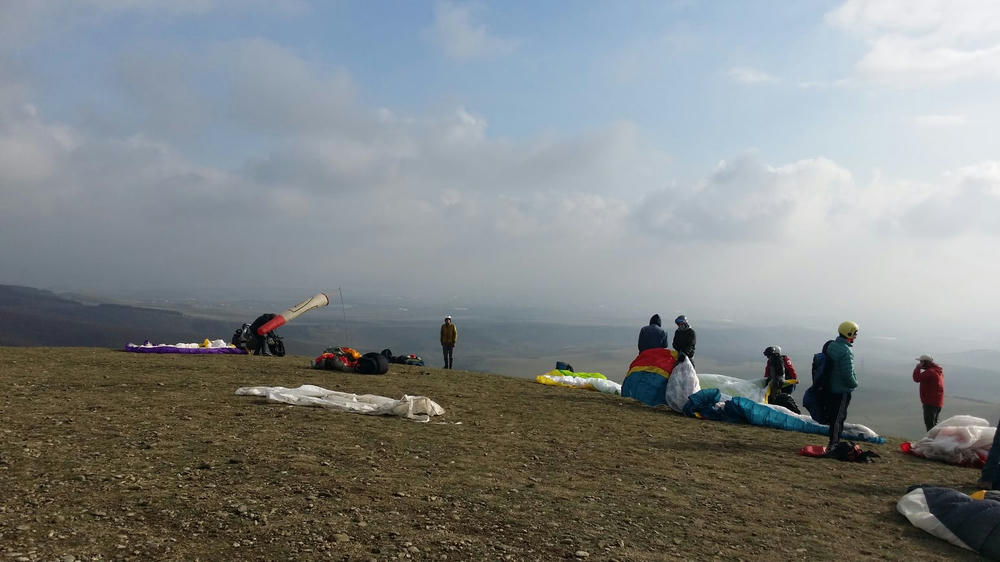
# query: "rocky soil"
{"points": [[106, 455]]}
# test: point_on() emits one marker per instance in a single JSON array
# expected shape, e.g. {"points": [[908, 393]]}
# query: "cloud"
{"points": [[940, 120], [746, 199], [915, 42], [322, 189], [26, 22], [460, 38], [747, 75], [250, 85], [967, 201]]}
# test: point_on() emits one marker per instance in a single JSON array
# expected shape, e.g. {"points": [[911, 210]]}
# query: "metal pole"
{"points": [[343, 311]]}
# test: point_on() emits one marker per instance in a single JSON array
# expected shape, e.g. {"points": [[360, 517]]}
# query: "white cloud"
{"points": [[402, 198], [748, 75], [747, 199], [460, 38], [913, 42], [25, 22], [940, 120], [966, 201]]}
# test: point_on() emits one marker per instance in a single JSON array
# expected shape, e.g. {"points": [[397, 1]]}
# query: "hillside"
{"points": [[38, 317], [108, 454]]}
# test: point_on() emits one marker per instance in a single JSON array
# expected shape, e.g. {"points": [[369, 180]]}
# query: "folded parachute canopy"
{"points": [[955, 517], [647, 376], [206, 347], [337, 359], [589, 381], [711, 404], [416, 408], [961, 440]]}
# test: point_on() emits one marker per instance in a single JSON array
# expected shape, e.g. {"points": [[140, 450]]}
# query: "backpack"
{"points": [[372, 364], [242, 337], [851, 452], [817, 395]]}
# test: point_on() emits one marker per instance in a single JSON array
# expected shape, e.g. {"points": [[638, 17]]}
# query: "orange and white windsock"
{"points": [[317, 301]]}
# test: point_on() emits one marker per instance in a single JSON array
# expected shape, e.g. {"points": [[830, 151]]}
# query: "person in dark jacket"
{"points": [[259, 342], [989, 478], [843, 379], [931, 379], [449, 337], [652, 336], [779, 372], [684, 337]]}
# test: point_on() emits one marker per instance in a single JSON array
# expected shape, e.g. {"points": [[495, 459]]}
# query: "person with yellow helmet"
{"points": [[843, 379]]}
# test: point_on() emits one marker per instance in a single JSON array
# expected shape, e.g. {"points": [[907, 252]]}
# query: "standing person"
{"points": [[684, 337], [449, 337], [779, 372], [991, 470], [259, 342], [931, 379], [843, 379], [653, 335]]}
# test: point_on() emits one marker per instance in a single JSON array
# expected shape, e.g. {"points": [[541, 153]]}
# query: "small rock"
{"points": [[341, 537], [581, 554]]}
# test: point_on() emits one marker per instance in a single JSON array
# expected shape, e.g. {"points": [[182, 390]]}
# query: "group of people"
{"points": [[780, 374], [840, 378], [653, 336]]}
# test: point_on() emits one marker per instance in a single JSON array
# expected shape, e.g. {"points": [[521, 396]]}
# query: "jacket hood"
{"points": [[655, 319]]}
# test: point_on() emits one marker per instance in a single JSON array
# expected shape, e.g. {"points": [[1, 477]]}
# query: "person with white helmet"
{"points": [[449, 337], [779, 372], [931, 378], [684, 338], [843, 379]]}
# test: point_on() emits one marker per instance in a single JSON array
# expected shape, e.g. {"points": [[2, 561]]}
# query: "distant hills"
{"points": [[35, 317]]}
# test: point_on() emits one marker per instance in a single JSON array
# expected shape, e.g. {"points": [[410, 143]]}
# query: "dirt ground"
{"points": [[106, 455]]}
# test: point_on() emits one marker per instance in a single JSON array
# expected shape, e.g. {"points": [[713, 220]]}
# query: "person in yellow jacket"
{"points": [[449, 337]]}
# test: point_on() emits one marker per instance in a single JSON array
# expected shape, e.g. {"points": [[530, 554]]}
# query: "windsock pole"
{"points": [[343, 311], [316, 301]]}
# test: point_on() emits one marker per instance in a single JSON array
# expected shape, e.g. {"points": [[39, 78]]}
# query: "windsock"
{"points": [[317, 301]]}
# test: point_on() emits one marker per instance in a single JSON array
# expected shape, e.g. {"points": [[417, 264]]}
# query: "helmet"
{"points": [[681, 320], [848, 329], [772, 351]]}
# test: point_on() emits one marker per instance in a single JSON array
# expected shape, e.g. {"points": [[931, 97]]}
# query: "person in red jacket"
{"points": [[781, 378], [931, 379]]}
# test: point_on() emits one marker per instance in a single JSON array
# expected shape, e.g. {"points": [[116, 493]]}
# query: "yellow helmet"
{"points": [[848, 329]]}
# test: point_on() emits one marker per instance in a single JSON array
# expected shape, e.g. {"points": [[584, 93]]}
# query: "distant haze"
{"points": [[767, 163]]}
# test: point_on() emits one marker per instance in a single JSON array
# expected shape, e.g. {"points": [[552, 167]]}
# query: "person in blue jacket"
{"points": [[843, 379], [653, 335]]}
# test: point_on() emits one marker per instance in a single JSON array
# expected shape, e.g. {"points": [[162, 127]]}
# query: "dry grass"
{"points": [[111, 455]]}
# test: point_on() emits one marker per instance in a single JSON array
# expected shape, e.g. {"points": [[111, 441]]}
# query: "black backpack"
{"points": [[242, 336], [851, 452], [372, 364]]}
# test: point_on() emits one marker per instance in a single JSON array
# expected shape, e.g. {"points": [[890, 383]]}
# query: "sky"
{"points": [[764, 162]]}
